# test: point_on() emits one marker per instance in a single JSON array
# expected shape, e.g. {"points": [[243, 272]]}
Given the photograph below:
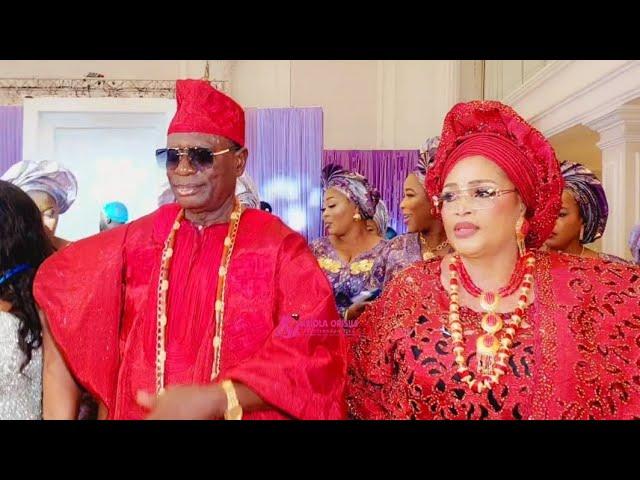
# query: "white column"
{"points": [[620, 145], [386, 109]]}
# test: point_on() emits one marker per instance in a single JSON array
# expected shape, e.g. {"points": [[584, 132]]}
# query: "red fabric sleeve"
{"points": [[301, 369], [375, 390], [80, 290]]}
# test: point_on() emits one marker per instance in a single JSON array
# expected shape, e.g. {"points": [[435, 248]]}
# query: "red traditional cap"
{"points": [[203, 109], [496, 131]]}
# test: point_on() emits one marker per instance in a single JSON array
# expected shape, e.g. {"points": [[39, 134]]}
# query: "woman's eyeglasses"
{"points": [[479, 198]]}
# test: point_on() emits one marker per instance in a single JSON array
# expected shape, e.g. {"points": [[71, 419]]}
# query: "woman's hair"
{"points": [[24, 242]]}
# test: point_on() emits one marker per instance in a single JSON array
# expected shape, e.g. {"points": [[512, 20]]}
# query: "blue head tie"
{"points": [[116, 211]]}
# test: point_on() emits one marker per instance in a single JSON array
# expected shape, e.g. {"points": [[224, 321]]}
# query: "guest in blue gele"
{"points": [[113, 214]]}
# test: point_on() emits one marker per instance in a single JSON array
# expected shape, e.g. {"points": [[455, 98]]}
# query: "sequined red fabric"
{"points": [[468, 121], [99, 297], [579, 358], [203, 109]]}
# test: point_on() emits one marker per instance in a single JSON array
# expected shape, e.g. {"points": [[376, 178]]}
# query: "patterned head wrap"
{"points": [[355, 186], [589, 195], [427, 158], [495, 131], [381, 217], [45, 176]]}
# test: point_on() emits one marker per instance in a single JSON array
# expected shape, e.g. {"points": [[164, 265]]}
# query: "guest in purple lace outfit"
{"points": [[634, 244], [350, 255], [583, 216], [426, 238]]}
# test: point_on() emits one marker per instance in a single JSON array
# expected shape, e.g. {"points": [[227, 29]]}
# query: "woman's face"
{"points": [[568, 225], [337, 212], [480, 208], [372, 227], [415, 206], [48, 208]]}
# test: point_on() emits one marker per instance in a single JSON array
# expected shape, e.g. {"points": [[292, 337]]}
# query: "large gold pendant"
{"points": [[428, 255], [487, 347], [489, 301], [491, 322]]}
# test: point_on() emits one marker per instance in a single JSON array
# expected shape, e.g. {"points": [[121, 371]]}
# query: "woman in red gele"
{"points": [[498, 329]]}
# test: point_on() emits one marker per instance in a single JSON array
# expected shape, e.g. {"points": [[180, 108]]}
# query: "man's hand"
{"points": [[355, 310], [188, 402]]}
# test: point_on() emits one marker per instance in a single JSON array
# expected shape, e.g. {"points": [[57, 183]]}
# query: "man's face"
{"points": [[205, 189]]}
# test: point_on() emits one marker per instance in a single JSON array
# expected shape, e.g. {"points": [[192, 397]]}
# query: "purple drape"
{"points": [[10, 136], [385, 169], [285, 161]]}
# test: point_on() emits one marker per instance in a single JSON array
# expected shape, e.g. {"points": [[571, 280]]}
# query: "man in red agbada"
{"points": [[193, 311]]}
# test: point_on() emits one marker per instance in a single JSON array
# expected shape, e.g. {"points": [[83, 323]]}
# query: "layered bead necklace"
{"points": [[492, 350], [163, 288]]}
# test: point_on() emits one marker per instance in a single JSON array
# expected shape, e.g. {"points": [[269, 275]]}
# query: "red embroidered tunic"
{"points": [[579, 358]]}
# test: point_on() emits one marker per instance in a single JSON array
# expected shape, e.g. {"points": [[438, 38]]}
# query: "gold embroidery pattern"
{"points": [[363, 266], [329, 265]]}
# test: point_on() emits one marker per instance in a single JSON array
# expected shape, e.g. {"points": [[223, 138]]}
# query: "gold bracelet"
{"points": [[234, 409]]}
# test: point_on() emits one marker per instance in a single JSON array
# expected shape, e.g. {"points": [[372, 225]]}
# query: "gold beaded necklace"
{"points": [[430, 253], [163, 288], [488, 345]]}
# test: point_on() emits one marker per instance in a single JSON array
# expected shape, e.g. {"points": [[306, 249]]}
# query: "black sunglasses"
{"points": [[200, 158]]}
